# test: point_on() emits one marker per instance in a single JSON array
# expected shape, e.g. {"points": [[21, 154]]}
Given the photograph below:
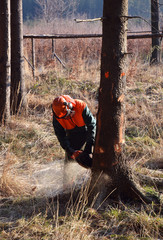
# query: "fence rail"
{"points": [[64, 36]]}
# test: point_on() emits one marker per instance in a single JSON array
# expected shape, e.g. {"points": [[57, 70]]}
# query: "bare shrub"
{"points": [[52, 9]]}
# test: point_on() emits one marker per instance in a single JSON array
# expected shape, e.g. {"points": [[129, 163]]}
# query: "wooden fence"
{"points": [[72, 36]]}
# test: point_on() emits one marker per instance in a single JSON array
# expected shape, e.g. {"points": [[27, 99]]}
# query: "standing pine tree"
{"points": [[156, 43], [17, 79], [110, 169], [4, 60]]}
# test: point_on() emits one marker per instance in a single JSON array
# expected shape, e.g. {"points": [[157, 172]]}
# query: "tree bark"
{"points": [[109, 163], [156, 42], [5, 68], [18, 92]]}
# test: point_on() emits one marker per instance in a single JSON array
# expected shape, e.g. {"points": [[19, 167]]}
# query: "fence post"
{"points": [[33, 55], [53, 47]]}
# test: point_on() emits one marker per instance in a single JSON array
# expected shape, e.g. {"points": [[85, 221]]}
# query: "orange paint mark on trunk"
{"points": [[115, 163], [121, 98], [117, 147], [99, 150], [122, 74], [107, 75], [121, 139]]}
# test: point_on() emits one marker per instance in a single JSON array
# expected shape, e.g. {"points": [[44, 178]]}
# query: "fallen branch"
{"points": [[154, 181], [154, 164]]}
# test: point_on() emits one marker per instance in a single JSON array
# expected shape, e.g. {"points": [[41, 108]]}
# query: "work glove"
{"points": [[76, 154], [84, 160]]}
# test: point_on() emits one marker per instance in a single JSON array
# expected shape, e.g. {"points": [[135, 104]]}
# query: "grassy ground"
{"points": [[28, 142], [31, 159]]}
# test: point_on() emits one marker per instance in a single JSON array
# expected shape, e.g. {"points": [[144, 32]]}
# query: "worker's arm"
{"points": [[61, 135], [90, 122]]}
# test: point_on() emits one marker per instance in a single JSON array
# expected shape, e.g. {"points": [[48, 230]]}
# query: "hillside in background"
{"points": [[90, 8]]}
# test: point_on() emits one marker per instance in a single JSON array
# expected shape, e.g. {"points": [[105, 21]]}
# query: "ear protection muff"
{"points": [[69, 108], [69, 104]]}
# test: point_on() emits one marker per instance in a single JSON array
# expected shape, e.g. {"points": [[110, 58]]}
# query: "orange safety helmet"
{"points": [[61, 107]]}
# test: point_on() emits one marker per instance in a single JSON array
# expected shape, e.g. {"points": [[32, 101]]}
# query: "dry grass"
{"points": [[28, 146], [80, 222]]}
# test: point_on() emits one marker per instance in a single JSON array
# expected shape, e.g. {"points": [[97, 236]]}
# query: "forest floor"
{"points": [[41, 198]]}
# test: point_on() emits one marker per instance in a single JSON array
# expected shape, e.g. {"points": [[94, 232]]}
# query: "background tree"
{"points": [[51, 9], [5, 67], [18, 92], [109, 160], [156, 43]]}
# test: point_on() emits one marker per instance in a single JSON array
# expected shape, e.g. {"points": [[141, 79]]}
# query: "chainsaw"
{"points": [[82, 158]]}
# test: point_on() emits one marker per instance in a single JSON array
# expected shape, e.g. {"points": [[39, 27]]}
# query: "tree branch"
{"points": [[88, 20]]}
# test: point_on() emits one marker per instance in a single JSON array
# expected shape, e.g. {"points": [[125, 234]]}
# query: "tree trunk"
{"points": [[108, 159], [5, 68], [156, 43], [17, 79]]}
